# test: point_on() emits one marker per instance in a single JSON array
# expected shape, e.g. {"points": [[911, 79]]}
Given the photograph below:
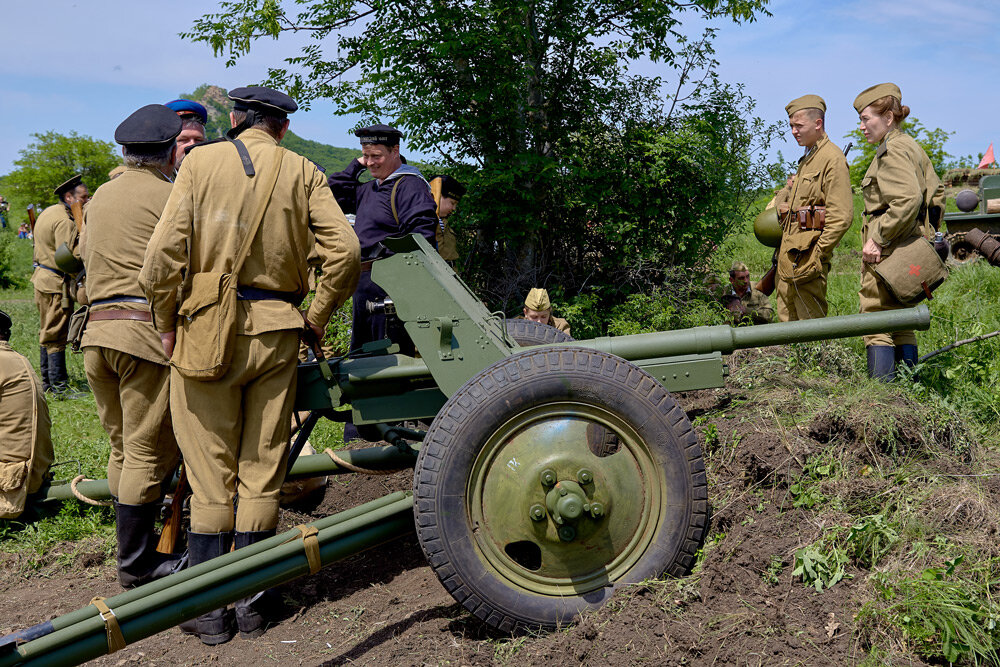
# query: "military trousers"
{"points": [[53, 321], [802, 300], [133, 401], [876, 298], [233, 433]]}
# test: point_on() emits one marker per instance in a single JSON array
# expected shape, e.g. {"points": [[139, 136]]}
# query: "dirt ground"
{"points": [[386, 606]]}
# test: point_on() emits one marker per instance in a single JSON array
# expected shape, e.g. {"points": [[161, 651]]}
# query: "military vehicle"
{"points": [[977, 210], [550, 476]]}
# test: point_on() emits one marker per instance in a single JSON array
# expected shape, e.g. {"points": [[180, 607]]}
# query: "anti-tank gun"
{"points": [[978, 211], [550, 476]]}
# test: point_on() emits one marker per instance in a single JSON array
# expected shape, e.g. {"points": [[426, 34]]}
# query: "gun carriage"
{"points": [[550, 476]]}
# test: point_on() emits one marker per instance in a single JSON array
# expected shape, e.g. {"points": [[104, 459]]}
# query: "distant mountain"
{"points": [[216, 101]]}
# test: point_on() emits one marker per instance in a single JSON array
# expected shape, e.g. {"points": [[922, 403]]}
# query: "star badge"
{"points": [[915, 270]]}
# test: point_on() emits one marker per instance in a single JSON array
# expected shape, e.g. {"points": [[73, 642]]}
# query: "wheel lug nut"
{"points": [[548, 477], [596, 510], [567, 533], [585, 476], [537, 512]]}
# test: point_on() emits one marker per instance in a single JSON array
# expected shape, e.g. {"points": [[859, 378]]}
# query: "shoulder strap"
{"points": [[392, 197], [265, 196]]}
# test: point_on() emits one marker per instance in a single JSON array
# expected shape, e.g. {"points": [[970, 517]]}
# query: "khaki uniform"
{"points": [[804, 257], [447, 242], [758, 306], [899, 185], [25, 440], [53, 228], [559, 323], [233, 432], [124, 359]]}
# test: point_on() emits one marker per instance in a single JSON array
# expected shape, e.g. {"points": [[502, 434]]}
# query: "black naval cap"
{"points": [[5, 323], [380, 134], [151, 126], [263, 99], [450, 187], [71, 184]]}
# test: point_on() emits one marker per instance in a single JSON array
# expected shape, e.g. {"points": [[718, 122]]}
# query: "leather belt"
{"points": [[49, 268], [118, 299], [248, 293], [137, 315], [366, 266]]}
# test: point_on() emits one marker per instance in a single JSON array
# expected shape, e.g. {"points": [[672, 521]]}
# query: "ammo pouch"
{"points": [[77, 325], [811, 218], [206, 327], [912, 271], [13, 488]]}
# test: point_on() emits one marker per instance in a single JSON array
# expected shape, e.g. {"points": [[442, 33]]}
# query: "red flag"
{"points": [[988, 159]]}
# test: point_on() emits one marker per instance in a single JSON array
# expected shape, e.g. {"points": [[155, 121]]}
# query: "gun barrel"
{"points": [[724, 339]]}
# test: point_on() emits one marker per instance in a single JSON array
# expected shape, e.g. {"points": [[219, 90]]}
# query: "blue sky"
{"points": [[85, 66]]}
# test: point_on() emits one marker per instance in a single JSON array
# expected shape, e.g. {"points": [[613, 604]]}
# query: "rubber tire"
{"points": [[520, 382], [526, 332]]}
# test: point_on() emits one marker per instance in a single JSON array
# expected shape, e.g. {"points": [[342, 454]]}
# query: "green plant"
{"points": [[8, 271], [772, 574], [821, 565], [870, 539], [805, 491]]}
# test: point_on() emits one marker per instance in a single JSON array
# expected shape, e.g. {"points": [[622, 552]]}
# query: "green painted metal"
{"points": [[687, 372], [223, 582], [540, 525]]}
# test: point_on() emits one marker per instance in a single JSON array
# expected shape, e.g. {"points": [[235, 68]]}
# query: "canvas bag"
{"points": [[912, 271], [13, 488], [206, 322]]}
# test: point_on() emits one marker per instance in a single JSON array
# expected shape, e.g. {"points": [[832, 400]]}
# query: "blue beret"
{"points": [[262, 98], [152, 125], [379, 134], [189, 108]]}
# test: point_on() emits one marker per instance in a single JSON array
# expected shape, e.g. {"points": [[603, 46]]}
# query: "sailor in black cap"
{"points": [[54, 228], [397, 201], [194, 117]]}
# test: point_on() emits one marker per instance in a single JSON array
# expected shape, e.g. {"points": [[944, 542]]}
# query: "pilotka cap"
{"points": [[537, 299], [806, 102], [876, 92], [151, 126]]}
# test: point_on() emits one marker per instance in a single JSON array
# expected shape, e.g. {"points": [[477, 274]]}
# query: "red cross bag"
{"points": [[912, 271]]}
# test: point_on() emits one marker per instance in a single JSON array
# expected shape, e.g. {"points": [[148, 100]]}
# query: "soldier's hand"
{"points": [[167, 340], [871, 253]]}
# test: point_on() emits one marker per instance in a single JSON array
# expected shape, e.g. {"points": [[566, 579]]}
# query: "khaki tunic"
{"points": [[560, 323], [124, 359], [758, 306], [447, 242], [804, 258], [233, 432], [25, 440], [53, 228], [898, 183]]}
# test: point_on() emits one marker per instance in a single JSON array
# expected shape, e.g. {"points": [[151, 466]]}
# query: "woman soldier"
{"points": [[903, 199]]}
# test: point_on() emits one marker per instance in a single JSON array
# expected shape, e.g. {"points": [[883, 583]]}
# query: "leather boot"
{"points": [[43, 367], [881, 362], [59, 376], [907, 354], [138, 560], [215, 627], [254, 612]]}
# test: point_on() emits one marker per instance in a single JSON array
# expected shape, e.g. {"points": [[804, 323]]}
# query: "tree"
{"points": [[513, 95], [52, 158], [932, 141]]}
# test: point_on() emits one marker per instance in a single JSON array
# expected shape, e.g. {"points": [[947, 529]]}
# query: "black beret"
{"points": [[152, 125], [71, 184], [263, 99], [379, 134], [450, 187], [5, 322]]}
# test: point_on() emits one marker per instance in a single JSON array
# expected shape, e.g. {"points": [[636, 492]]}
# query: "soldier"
{"points": [[397, 201], [194, 117], [233, 431], [743, 301], [25, 442], [904, 198], [446, 192], [538, 308], [123, 357], [55, 226], [820, 211]]}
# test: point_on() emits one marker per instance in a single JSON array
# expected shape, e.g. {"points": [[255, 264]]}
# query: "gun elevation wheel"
{"points": [[553, 478]]}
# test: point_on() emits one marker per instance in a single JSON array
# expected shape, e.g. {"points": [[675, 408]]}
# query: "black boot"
{"points": [[43, 368], [215, 627], [59, 376], [253, 613], [138, 560], [907, 355], [881, 362]]}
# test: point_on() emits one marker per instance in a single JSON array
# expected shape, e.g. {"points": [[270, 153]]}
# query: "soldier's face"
{"points": [[447, 207], [381, 160], [873, 125], [540, 316], [80, 194], [189, 136], [739, 280], [806, 129]]}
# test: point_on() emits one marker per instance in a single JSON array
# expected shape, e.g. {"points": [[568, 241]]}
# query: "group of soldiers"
{"points": [[903, 200]]}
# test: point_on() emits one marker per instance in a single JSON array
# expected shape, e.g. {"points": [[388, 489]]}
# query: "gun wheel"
{"points": [[527, 332], [554, 478]]}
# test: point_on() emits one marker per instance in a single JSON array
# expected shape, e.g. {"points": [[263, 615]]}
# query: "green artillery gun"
{"points": [[976, 211], [549, 478]]}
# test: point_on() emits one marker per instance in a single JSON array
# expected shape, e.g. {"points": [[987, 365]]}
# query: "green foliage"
{"points": [[932, 141], [52, 158], [870, 539], [944, 613], [820, 565], [684, 301], [805, 490], [329, 157], [9, 274]]}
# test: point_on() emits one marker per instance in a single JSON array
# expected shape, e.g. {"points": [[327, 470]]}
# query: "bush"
{"points": [[8, 271]]}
